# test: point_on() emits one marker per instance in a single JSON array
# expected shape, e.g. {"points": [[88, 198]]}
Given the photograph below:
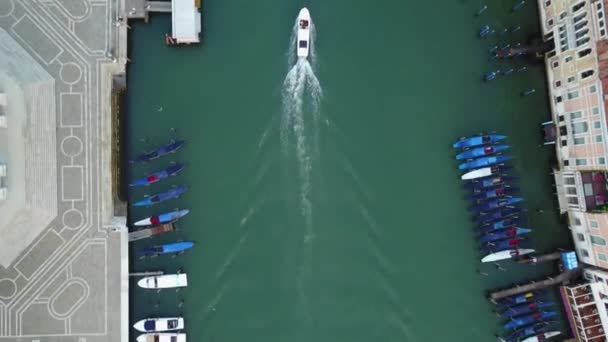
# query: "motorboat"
{"points": [[504, 234], [506, 254], [166, 281], [526, 308], [303, 43], [163, 150], [161, 197], [162, 337], [529, 319], [159, 324], [162, 218], [154, 177], [478, 140], [485, 172], [167, 248], [483, 161], [481, 151]]}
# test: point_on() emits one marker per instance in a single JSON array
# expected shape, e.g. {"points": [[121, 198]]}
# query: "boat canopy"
{"points": [[150, 325]]}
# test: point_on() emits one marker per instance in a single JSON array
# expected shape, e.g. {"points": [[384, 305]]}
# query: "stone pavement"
{"points": [[62, 264]]}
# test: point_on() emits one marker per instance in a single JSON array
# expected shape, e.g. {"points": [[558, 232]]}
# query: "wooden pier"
{"points": [[534, 286], [148, 232], [146, 274], [537, 259]]}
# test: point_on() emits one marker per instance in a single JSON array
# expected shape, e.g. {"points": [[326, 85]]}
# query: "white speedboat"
{"points": [[163, 337], [303, 44], [542, 337], [167, 281], [506, 254], [159, 324]]}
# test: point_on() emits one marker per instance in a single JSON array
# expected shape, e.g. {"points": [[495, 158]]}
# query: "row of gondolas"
{"points": [[498, 219], [162, 329], [529, 317], [494, 202]]}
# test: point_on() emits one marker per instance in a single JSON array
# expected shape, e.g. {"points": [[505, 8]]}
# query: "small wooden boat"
{"points": [[500, 191], [481, 151], [486, 172], [159, 324], [167, 248], [521, 298], [484, 183], [529, 319], [164, 150], [162, 337], [478, 140], [503, 234], [154, 177], [483, 162], [498, 225], [526, 308], [496, 204], [162, 218], [161, 197], [167, 281], [497, 215], [506, 254], [502, 245]]}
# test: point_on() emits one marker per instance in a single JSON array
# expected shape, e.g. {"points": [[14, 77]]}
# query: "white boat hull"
{"points": [[486, 171], [144, 222], [508, 254], [168, 281], [162, 337], [303, 42], [160, 324], [546, 335]]}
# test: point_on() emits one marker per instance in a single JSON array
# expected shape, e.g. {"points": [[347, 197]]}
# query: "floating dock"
{"points": [[149, 232], [534, 286]]}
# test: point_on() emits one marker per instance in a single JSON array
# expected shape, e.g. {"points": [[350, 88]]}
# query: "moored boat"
{"points": [[501, 245], [526, 308], [478, 140], [521, 298], [498, 225], [542, 336], [494, 193], [167, 248], [528, 331], [496, 203], [485, 172], [166, 281], [163, 150], [503, 234], [303, 43], [154, 177], [483, 161], [483, 183], [529, 319], [161, 197], [481, 151], [159, 324], [506, 254], [497, 215], [162, 218], [162, 337]]}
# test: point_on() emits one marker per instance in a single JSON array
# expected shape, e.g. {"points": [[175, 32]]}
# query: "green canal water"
{"points": [[345, 222]]}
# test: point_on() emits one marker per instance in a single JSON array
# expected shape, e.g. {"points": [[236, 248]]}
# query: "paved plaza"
{"points": [[63, 253]]}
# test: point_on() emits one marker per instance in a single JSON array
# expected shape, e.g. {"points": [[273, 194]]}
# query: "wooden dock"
{"points": [[534, 286], [537, 259], [148, 232]]}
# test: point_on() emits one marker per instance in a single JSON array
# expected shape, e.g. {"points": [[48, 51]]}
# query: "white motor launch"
{"points": [[303, 41]]}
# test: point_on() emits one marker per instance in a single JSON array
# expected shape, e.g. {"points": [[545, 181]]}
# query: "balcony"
{"points": [[595, 191]]}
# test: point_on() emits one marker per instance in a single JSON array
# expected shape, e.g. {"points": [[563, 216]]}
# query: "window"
{"points": [[563, 15], [598, 138], [602, 257], [555, 64], [560, 118], [547, 3], [593, 224], [597, 124], [568, 59], [584, 252], [571, 79], [570, 191], [592, 89], [558, 84], [602, 31], [576, 115], [596, 240], [584, 52], [580, 237], [595, 111], [572, 95], [558, 99], [573, 200], [579, 141], [566, 162], [578, 6], [581, 162], [580, 127], [586, 74], [582, 41], [577, 221], [601, 161]]}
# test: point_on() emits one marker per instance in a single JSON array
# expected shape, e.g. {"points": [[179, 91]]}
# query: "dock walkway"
{"points": [[148, 232], [534, 286]]}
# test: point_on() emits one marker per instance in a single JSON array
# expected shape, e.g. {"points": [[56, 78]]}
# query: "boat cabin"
{"points": [[304, 24]]}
